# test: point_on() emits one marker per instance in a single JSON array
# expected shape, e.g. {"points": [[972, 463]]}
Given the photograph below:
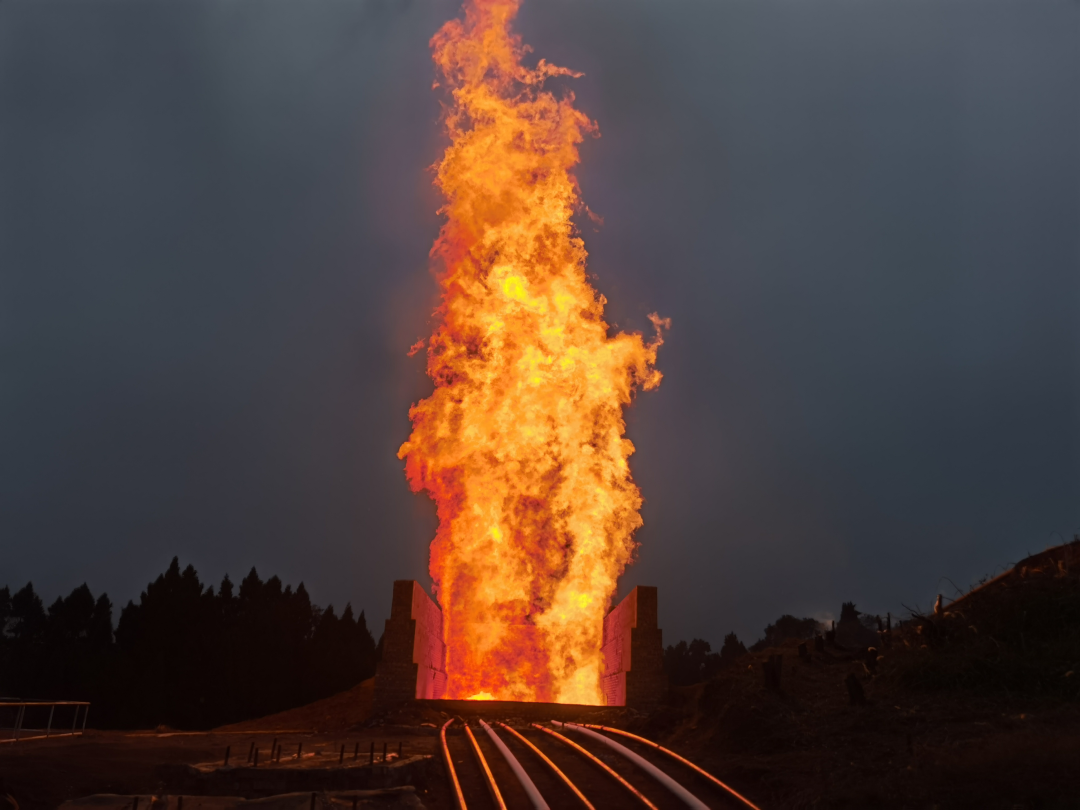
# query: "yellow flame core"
{"points": [[521, 444]]}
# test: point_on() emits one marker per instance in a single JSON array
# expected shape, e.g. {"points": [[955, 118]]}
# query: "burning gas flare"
{"points": [[521, 444]]}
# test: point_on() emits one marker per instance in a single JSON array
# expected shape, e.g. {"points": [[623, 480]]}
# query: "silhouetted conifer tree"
{"points": [[687, 664], [787, 626], [732, 648], [848, 613], [183, 655]]}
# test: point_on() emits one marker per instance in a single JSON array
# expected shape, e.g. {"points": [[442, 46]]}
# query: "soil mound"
{"points": [[340, 712], [1018, 634], [974, 704]]}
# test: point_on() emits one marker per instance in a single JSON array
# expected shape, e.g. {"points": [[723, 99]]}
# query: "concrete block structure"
{"points": [[413, 663], [633, 650]]}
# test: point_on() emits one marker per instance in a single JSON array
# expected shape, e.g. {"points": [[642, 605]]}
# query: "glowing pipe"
{"points": [[685, 795]]}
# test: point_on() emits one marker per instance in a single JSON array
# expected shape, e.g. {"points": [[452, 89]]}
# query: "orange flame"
{"points": [[521, 444]]}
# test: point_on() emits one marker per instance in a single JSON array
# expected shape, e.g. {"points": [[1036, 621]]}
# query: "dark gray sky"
{"points": [[862, 216]]}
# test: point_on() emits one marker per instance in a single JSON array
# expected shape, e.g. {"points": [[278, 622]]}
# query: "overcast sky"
{"points": [[862, 217]]}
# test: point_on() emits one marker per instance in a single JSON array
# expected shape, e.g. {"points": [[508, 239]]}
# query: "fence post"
{"points": [[86, 713], [19, 721], [75, 720], [48, 728]]}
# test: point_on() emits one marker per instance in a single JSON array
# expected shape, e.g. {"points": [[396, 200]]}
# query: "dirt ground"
{"points": [[42, 774], [340, 712], [805, 747], [808, 747]]}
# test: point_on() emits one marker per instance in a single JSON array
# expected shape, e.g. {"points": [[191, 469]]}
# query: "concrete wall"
{"points": [[413, 661], [633, 652]]}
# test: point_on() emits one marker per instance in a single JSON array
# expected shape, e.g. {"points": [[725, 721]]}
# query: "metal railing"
{"points": [[21, 731]]}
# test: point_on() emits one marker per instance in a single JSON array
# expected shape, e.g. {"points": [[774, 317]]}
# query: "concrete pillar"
{"points": [[633, 652], [413, 663]]}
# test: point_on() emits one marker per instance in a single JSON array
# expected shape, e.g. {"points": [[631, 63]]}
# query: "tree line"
{"points": [[688, 664], [187, 655]]}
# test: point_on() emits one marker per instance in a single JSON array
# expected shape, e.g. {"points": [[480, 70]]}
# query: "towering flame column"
{"points": [[521, 444]]}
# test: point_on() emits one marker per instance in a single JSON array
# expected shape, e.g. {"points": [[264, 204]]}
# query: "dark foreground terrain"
{"points": [[974, 705]]}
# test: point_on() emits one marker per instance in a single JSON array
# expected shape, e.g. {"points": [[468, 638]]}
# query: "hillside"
{"points": [[976, 706]]}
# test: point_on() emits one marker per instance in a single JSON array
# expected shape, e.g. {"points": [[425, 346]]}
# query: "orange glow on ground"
{"points": [[521, 444]]}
